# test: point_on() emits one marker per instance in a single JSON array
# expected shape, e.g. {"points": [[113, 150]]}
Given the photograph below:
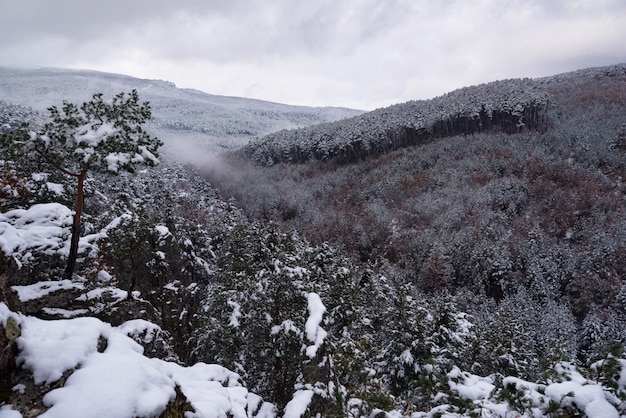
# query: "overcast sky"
{"points": [[354, 53]]}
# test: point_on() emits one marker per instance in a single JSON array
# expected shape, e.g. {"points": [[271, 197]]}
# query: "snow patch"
{"points": [[235, 315], [55, 188], [589, 398], [43, 228], [314, 331], [469, 385], [298, 405], [140, 329], [42, 289], [65, 313]]}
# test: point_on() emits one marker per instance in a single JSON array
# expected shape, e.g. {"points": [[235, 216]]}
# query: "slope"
{"points": [[507, 106], [189, 121], [493, 211]]}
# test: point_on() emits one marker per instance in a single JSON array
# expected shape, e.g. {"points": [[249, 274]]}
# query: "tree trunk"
{"points": [[80, 198]]}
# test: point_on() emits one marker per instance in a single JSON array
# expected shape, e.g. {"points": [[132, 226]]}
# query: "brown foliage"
{"points": [[12, 185]]}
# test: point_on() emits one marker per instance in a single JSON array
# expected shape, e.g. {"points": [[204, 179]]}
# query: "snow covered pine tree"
{"points": [[104, 136]]}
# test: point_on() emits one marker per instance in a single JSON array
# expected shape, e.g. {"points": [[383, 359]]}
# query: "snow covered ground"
{"points": [[110, 376]]}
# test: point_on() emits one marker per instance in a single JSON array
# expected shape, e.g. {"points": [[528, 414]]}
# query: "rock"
{"points": [[8, 268], [8, 353]]}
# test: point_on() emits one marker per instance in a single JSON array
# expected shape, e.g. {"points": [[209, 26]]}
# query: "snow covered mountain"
{"points": [[508, 106], [188, 121]]}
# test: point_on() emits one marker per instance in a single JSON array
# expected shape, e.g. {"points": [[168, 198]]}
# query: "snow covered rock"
{"points": [[84, 367], [49, 297], [43, 228]]}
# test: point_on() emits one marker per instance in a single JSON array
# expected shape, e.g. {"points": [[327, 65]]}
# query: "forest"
{"points": [[460, 256]]}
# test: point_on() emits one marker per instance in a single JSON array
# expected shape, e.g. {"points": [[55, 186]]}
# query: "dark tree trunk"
{"points": [[80, 199]]}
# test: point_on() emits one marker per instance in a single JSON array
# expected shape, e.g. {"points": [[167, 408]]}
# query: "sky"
{"points": [[362, 54]]}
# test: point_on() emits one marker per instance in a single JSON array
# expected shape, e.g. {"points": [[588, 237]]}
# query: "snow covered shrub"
{"points": [[610, 370], [257, 310], [493, 264], [503, 345], [133, 253], [601, 330]]}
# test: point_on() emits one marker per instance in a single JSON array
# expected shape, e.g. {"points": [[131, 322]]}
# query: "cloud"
{"points": [[357, 53]]}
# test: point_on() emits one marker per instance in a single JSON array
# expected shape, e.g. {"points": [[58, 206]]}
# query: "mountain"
{"points": [[507, 106], [188, 121], [460, 256]]}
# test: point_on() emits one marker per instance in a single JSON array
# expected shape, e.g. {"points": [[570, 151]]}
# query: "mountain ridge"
{"points": [[509, 105], [199, 122]]}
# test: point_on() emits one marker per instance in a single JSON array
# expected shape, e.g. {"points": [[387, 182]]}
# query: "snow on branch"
{"points": [[314, 332]]}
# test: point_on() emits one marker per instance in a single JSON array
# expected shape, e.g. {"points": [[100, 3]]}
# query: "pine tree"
{"points": [[96, 136]]}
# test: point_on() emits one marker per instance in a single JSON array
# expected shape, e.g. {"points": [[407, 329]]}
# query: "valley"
{"points": [[458, 256]]}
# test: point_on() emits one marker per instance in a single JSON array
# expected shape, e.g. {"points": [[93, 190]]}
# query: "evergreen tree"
{"points": [[97, 136]]}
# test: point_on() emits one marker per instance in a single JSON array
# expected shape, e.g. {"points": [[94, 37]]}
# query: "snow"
{"points": [[104, 276], [235, 315], [109, 292], [19, 388], [214, 391], [41, 289], [406, 357], [43, 227], [7, 411], [115, 160], [119, 382], [589, 398], [50, 348], [39, 176], [55, 188], [592, 398], [298, 405], [314, 331], [470, 386], [93, 135], [65, 313], [145, 155], [108, 375], [140, 328], [173, 286], [286, 326], [163, 231]]}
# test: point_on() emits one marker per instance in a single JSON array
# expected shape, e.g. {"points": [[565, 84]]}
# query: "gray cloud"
{"points": [[358, 53]]}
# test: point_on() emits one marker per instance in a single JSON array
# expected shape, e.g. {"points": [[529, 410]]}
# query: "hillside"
{"points": [[189, 121], [553, 167], [466, 258], [523, 218], [508, 106]]}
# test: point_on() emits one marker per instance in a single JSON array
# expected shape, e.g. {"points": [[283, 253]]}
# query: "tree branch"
{"points": [[55, 165]]}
